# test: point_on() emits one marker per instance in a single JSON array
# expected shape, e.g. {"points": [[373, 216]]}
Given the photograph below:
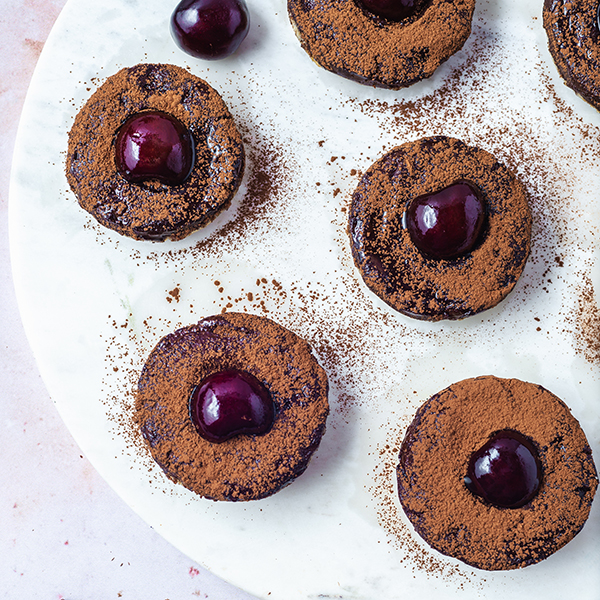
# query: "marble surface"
{"points": [[301, 543], [65, 534]]}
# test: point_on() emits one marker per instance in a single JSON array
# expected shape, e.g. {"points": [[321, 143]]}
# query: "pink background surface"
{"points": [[65, 534]]}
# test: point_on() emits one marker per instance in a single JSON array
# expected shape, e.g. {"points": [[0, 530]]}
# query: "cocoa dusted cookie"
{"points": [[439, 229], [234, 407], [381, 43], [574, 43], [154, 153], [518, 477]]}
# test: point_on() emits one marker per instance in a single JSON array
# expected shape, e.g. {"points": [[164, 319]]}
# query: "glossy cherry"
{"points": [[228, 403], [447, 224], [505, 471], [154, 145], [393, 10], [210, 29]]}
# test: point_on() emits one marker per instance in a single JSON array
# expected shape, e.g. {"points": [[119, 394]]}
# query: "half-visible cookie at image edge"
{"points": [[154, 153], [233, 407], [574, 42], [378, 43], [439, 229], [496, 473]]}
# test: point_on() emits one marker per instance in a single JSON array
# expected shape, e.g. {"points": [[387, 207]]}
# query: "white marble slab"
{"points": [[337, 531]]}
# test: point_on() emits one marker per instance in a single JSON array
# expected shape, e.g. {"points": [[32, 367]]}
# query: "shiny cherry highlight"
{"points": [[506, 471], [393, 10], [448, 223], [154, 145], [210, 29], [230, 403]]}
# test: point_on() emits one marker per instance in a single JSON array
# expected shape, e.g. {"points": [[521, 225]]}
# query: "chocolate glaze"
{"points": [[245, 467], [574, 43], [393, 267], [456, 422], [344, 38], [153, 210]]}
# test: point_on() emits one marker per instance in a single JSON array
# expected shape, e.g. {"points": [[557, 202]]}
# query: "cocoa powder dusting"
{"points": [[551, 174], [395, 269], [350, 41], [586, 322], [246, 467], [438, 444], [153, 210]]}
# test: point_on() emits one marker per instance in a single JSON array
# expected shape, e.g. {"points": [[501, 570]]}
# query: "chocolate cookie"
{"points": [[135, 200], [574, 43], [451, 428], [384, 50], [394, 263], [213, 360]]}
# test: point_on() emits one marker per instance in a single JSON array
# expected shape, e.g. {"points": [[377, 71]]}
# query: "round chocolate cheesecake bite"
{"points": [[496, 473], [439, 229], [154, 154], [384, 43], [574, 42], [233, 407]]}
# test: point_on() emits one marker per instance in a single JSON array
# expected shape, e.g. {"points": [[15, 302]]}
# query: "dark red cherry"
{"points": [[154, 145], [210, 29], [446, 224], [506, 471], [228, 403], [393, 10]]}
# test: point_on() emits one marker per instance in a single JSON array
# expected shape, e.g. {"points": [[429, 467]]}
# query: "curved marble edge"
{"points": [[230, 534]]}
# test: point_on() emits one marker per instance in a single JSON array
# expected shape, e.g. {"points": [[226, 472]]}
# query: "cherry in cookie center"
{"points": [[448, 223], [506, 471], [154, 145], [394, 10], [230, 403]]}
